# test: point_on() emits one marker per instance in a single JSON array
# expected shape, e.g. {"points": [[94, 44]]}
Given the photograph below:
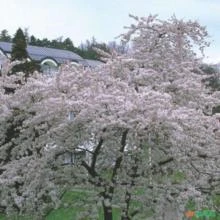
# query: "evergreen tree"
{"points": [[19, 46], [19, 52], [4, 36], [68, 44], [33, 40]]}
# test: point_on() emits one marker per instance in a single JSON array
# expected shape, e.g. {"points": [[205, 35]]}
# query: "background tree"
{"points": [[68, 44], [4, 36], [212, 80], [120, 48], [19, 46], [33, 40], [88, 50], [19, 52]]}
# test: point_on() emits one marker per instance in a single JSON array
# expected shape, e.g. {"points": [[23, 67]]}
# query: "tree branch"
{"points": [[168, 160], [119, 159], [96, 153]]}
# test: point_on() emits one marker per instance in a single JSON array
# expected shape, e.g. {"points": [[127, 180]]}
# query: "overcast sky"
{"points": [[82, 19]]}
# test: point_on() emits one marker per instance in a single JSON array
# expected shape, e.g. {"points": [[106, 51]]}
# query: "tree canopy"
{"points": [[19, 53], [4, 36], [19, 47], [142, 118]]}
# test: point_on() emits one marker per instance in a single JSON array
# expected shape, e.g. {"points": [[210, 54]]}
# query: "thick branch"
{"points": [[91, 169], [96, 153], [83, 149], [163, 162], [119, 159], [93, 174]]}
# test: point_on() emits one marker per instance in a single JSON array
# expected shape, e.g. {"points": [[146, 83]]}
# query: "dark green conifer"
{"points": [[19, 46], [19, 52]]}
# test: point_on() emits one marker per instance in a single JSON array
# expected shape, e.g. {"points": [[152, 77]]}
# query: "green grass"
{"points": [[62, 213], [191, 205], [75, 201], [72, 205], [79, 200]]}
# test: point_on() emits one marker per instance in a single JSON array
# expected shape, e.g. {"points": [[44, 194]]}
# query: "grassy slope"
{"points": [[75, 201], [67, 212]]}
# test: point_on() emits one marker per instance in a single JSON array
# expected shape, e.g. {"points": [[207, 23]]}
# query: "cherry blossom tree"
{"points": [[19, 158], [141, 118]]}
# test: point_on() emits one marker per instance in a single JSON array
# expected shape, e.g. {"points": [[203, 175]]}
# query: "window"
{"points": [[71, 116]]}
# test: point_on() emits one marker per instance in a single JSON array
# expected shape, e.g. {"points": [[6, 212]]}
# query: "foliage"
{"points": [[27, 68], [141, 115], [213, 79], [19, 52], [69, 209], [88, 49], [19, 46], [4, 36]]}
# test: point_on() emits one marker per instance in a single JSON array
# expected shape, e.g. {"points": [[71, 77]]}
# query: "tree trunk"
{"points": [[127, 201], [107, 212], [125, 218]]}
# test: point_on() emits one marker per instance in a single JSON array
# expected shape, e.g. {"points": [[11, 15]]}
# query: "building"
{"points": [[48, 58]]}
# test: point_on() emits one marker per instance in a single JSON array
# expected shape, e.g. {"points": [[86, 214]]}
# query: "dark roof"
{"points": [[93, 63], [40, 53]]}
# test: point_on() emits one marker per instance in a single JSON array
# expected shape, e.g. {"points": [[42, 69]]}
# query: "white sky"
{"points": [[82, 19]]}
